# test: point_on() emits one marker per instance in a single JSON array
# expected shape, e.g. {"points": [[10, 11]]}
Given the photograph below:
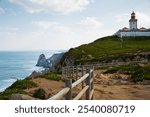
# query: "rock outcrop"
{"points": [[128, 58], [34, 74], [51, 62], [54, 60], [42, 61]]}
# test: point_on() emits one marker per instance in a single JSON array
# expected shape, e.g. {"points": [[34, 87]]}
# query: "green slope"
{"points": [[108, 48]]}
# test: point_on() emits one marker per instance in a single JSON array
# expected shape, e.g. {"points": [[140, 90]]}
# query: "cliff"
{"points": [[51, 62], [109, 50]]}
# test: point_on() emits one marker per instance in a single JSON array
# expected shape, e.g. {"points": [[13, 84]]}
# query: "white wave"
{"points": [[9, 80], [6, 83]]}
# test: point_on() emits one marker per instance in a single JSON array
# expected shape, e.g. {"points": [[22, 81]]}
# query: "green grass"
{"points": [[23, 84], [142, 73], [40, 93], [108, 48], [127, 69], [20, 85], [51, 76], [112, 70], [17, 87], [137, 72], [101, 67]]}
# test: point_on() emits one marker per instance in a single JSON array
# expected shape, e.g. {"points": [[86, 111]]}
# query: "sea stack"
{"points": [[42, 61]]}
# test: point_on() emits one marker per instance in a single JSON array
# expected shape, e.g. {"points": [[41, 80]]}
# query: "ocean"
{"points": [[18, 65]]}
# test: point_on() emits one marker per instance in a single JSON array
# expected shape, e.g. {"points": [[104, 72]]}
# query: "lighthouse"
{"points": [[133, 22], [133, 30]]}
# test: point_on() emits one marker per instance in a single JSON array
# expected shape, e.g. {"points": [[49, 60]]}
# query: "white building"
{"points": [[133, 30]]}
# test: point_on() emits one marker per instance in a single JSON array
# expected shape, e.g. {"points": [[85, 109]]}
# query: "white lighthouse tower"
{"points": [[133, 22]]}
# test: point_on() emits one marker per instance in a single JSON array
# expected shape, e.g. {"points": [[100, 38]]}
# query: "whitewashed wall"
{"points": [[133, 34]]}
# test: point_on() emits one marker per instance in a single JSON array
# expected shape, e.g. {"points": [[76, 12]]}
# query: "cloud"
{"points": [[48, 35], [91, 29], [55, 27], [143, 19], [8, 31], [45, 24], [60, 6], [91, 22], [122, 18], [2, 10]]}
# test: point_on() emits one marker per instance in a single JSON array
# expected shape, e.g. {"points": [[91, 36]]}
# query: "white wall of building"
{"points": [[133, 34]]}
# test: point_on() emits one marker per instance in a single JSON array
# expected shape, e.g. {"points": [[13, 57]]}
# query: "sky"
{"points": [[27, 25]]}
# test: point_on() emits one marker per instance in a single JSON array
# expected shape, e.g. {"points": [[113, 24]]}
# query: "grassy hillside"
{"points": [[108, 48], [19, 86], [137, 72]]}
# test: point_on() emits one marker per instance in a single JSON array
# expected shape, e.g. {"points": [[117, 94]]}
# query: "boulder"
{"points": [[42, 61], [34, 74], [50, 63]]}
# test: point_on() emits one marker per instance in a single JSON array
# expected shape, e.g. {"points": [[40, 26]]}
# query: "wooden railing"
{"points": [[75, 72], [86, 79]]}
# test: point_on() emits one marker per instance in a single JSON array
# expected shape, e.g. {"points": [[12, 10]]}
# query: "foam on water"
{"points": [[18, 65]]}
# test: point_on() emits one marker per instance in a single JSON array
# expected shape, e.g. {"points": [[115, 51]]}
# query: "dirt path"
{"points": [[106, 87], [51, 87], [109, 88]]}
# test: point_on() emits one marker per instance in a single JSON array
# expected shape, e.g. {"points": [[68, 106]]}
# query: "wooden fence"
{"points": [[86, 78]]}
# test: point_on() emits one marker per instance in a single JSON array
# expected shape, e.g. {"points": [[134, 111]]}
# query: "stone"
{"points": [[34, 74], [54, 60], [42, 61], [51, 63]]}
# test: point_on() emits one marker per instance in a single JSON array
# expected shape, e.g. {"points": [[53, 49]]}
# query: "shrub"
{"points": [[138, 75], [147, 76], [112, 70], [40, 93], [23, 84], [8, 92], [17, 87], [52, 76], [141, 73], [101, 67]]}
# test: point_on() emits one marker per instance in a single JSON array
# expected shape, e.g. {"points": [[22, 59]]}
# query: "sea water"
{"points": [[18, 65]]}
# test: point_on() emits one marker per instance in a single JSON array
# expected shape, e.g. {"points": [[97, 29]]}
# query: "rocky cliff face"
{"points": [[54, 60], [51, 62], [125, 59], [42, 61]]}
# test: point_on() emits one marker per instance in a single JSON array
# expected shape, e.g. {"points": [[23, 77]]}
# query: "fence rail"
{"points": [[86, 79]]}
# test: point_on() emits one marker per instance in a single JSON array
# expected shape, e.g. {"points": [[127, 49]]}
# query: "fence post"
{"points": [[92, 83], [62, 69], [65, 73], [68, 83], [76, 72], [72, 72], [92, 77], [82, 75], [88, 83]]}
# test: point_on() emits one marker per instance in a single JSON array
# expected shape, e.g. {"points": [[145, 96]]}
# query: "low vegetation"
{"points": [[20, 85], [137, 72], [40, 93], [108, 48], [17, 87], [51, 76]]}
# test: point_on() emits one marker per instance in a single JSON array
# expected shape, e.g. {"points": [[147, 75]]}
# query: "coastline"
{"points": [[10, 81], [21, 68]]}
